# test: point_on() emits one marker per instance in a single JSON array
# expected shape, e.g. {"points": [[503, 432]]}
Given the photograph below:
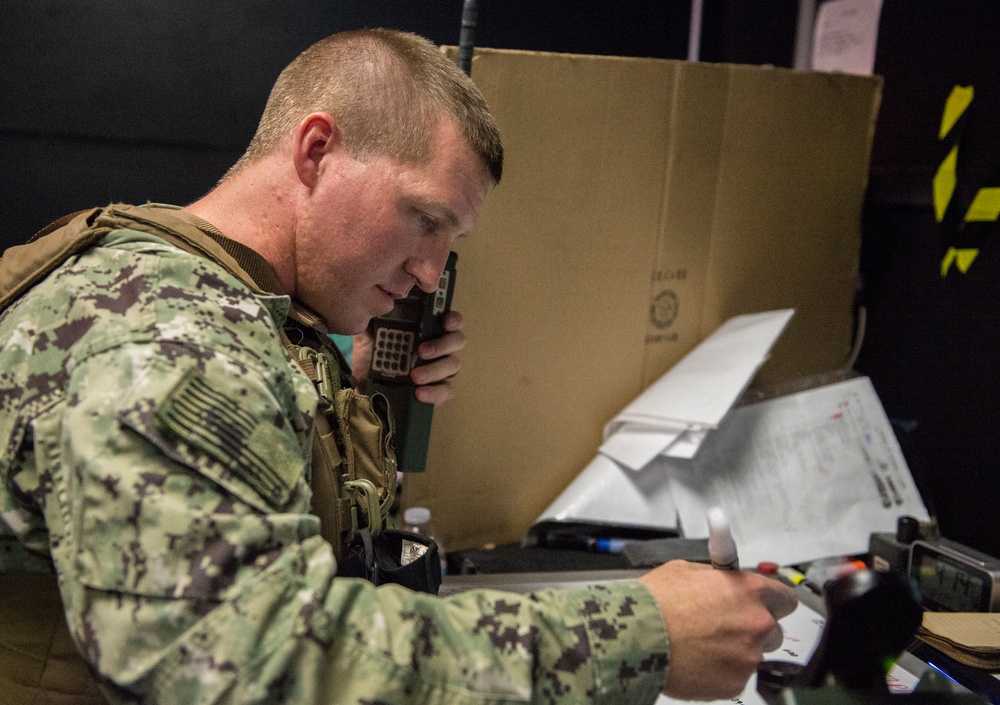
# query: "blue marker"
{"points": [[610, 545], [561, 539]]}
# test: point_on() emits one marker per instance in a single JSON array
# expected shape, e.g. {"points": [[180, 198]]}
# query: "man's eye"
{"points": [[427, 223]]}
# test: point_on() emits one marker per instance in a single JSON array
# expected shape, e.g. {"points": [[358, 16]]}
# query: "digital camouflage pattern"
{"points": [[155, 442]]}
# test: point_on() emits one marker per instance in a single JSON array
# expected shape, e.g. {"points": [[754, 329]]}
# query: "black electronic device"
{"points": [[952, 577], [949, 576], [891, 551], [870, 618], [415, 318]]}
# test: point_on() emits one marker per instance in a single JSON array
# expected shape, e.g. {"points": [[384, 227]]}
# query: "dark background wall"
{"points": [[130, 100], [136, 100], [933, 343]]}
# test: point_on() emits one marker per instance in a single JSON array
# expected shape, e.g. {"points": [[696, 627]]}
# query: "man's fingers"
{"points": [[774, 639], [453, 321], [434, 393], [447, 344], [780, 600], [438, 371]]}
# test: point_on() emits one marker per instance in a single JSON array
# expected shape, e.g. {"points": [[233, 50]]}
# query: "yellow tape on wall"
{"points": [[985, 206]]}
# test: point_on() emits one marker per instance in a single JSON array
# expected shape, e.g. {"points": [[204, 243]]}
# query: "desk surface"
{"points": [[529, 582]]}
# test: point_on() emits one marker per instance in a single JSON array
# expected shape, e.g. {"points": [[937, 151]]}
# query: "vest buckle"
{"points": [[370, 499]]}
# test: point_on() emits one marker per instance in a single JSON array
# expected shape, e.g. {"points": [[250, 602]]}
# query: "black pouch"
{"points": [[380, 560]]}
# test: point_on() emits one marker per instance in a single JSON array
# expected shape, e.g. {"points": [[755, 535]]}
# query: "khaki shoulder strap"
{"points": [[23, 266], [179, 229]]}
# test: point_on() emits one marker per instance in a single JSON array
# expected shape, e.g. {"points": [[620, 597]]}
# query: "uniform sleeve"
{"points": [[192, 570]]}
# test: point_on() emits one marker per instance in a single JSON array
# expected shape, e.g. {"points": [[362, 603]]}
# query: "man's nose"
{"points": [[427, 269]]}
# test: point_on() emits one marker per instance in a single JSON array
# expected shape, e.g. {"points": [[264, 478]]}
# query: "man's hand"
{"points": [[433, 379], [720, 624]]}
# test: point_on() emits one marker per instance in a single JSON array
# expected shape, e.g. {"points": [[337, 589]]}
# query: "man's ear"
{"points": [[315, 138]]}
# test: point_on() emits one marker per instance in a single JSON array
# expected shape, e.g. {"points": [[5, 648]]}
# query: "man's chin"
{"points": [[351, 327]]}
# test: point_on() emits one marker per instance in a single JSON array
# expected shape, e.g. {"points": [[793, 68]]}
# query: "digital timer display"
{"points": [[950, 580]]}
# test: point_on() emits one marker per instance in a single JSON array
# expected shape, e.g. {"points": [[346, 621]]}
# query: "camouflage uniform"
{"points": [[155, 444]]}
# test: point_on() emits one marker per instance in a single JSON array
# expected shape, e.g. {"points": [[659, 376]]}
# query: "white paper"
{"points": [[634, 446], [695, 394], [846, 36], [801, 477], [607, 493]]}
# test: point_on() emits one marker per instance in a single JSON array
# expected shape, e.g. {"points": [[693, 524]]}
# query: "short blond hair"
{"points": [[386, 89]]}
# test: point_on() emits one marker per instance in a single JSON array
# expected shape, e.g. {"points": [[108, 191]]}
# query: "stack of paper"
{"points": [[802, 476]]}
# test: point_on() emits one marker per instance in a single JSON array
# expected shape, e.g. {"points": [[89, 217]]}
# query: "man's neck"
{"points": [[250, 208]]}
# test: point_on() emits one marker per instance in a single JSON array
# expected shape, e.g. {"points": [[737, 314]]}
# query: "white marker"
{"points": [[721, 547]]}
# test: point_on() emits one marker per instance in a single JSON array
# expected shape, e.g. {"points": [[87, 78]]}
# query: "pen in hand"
{"points": [[721, 547]]}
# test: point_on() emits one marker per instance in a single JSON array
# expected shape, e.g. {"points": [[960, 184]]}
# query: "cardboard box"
{"points": [[643, 203]]}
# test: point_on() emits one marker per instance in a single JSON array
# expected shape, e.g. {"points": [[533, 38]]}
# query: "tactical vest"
{"points": [[353, 464]]}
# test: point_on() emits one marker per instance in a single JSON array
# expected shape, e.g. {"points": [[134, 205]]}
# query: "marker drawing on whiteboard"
{"points": [[721, 547]]}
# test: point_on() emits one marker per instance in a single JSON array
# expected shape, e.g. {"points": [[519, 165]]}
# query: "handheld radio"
{"points": [[416, 318]]}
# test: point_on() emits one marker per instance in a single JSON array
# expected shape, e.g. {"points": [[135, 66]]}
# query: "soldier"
{"points": [[186, 467]]}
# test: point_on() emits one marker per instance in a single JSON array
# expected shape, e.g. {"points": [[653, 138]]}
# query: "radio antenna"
{"points": [[465, 38]]}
